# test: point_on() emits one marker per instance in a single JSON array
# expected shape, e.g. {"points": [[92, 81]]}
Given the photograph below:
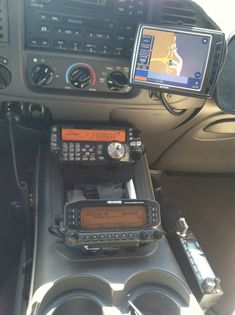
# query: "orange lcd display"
{"points": [[103, 217], [93, 135]]}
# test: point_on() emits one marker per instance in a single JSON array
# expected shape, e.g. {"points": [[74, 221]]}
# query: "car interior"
{"points": [[117, 142]]}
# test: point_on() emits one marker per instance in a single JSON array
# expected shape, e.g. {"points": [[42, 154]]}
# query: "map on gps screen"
{"points": [[172, 58]]}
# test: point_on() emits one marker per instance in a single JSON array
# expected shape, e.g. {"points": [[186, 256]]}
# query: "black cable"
{"points": [[23, 187], [171, 110], [56, 231]]}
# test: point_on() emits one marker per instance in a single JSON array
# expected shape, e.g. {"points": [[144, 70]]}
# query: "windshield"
{"points": [[221, 12]]}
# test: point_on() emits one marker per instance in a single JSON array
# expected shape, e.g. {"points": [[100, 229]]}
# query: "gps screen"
{"points": [[171, 58]]}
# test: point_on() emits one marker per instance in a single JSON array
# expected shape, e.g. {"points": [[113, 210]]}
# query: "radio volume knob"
{"points": [[42, 75], [116, 150], [81, 77], [143, 236]]}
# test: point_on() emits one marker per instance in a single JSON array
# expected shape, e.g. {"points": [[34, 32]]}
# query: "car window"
{"points": [[222, 12]]}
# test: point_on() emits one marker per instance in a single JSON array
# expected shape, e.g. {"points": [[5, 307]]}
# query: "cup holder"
{"points": [[155, 302], [75, 304]]}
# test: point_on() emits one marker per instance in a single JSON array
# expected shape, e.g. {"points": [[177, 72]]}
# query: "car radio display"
{"points": [[93, 135], [171, 58], [103, 217]]}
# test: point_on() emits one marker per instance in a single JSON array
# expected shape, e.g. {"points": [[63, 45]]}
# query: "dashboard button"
{"points": [[34, 42], [94, 237], [91, 34], [109, 237], [75, 46], [42, 17], [90, 47], [59, 30], [45, 43], [119, 51], [124, 236], [131, 236], [110, 25], [105, 49], [116, 237], [60, 44], [102, 237], [121, 9], [87, 238], [71, 211], [44, 29], [68, 31], [55, 18]]}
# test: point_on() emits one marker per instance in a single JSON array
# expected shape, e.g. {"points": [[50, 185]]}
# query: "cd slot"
{"points": [[90, 4]]}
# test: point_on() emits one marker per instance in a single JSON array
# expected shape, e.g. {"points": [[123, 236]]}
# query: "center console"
{"points": [[99, 243]]}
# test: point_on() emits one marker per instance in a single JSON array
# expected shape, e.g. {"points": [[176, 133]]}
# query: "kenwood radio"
{"points": [[111, 222], [92, 145]]}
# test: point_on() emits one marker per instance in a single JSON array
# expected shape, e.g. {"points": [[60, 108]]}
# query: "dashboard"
{"points": [[73, 57], [79, 48]]}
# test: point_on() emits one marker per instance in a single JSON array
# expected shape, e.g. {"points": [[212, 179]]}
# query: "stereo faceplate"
{"points": [[91, 27]]}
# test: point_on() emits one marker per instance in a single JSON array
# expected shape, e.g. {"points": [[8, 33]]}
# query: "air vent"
{"points": [[177, 13], [4, 37]]}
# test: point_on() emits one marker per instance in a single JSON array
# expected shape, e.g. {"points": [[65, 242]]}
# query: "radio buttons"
{"points": [[131, 236], [109, 237], [87, 238], [94, 238], [71, 211], [102, 237], [124, 236], [116, 237]]}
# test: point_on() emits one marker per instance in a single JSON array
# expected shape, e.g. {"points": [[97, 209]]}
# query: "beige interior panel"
{"points": [[209, 146]]}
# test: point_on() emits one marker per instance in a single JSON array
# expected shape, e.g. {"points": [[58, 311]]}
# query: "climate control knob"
{"points": [[80, 77], [116, 150], [42, 75], [5, 77], [117, 81]]}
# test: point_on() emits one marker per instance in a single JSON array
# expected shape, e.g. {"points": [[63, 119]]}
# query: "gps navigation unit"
{"points": [[181, 60]]}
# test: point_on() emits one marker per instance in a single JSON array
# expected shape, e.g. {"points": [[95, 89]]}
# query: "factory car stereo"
{"points": [[177, 60], [111, 222], [94, 145]]}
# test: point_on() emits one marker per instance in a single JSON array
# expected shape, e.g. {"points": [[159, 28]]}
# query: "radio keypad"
{"points": [[82, 152]]}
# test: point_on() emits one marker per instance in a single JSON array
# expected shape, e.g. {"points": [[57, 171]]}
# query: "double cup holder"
{"points": [[152, 301], [88, 295], [75, 303]]}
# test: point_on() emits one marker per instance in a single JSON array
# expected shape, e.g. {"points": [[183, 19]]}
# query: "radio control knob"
{"points": [[137, 153], [116, 150], [80, 77], [117, 81], [42, 75], [73, 237], [143, 236], [157, 235]]}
